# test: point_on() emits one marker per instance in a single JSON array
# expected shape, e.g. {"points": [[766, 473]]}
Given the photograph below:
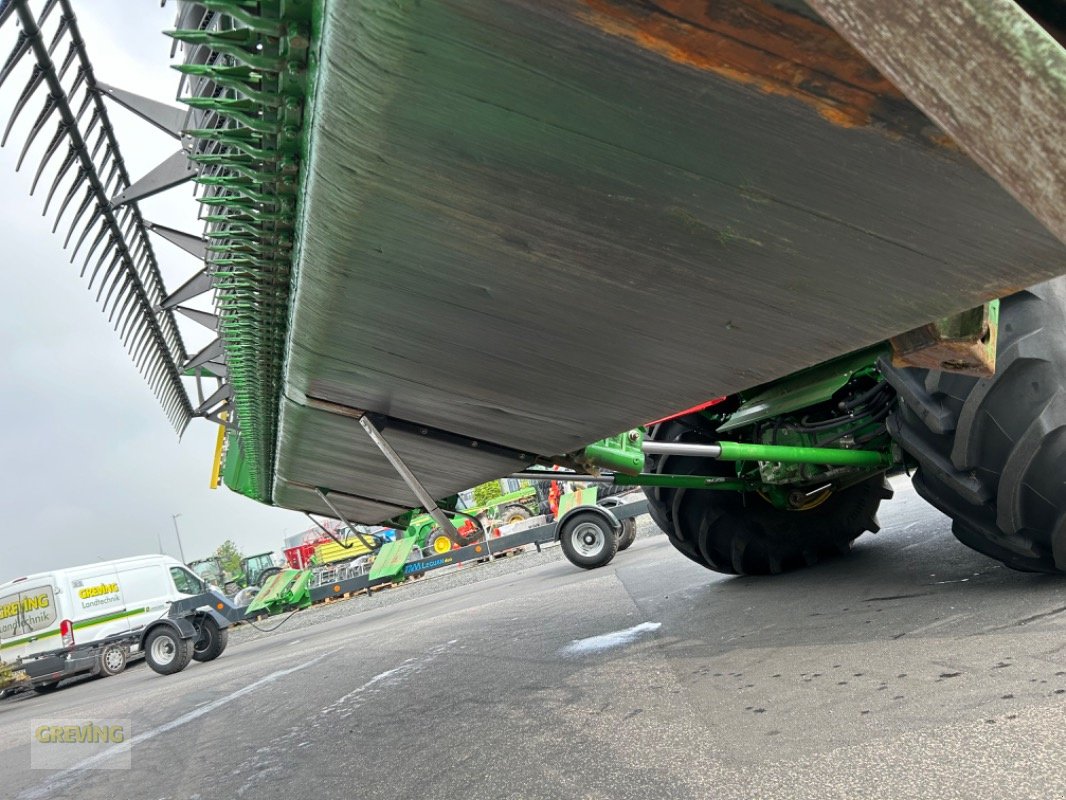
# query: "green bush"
{"points": [[486, 493]]}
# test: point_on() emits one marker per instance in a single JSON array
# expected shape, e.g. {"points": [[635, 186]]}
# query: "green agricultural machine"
{"points": [[449, 242]]}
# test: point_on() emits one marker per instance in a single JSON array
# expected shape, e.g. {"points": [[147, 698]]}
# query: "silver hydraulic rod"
{"points": [[424, 498], [561, 476], [681, 449]]}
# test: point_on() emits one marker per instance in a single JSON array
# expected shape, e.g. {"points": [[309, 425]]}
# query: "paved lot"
{"points": [[914, 668]]}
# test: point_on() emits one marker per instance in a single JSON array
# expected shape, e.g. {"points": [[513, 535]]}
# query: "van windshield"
{"points": [[185, 582]]}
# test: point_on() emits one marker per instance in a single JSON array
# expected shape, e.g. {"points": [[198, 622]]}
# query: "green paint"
{"points": [[390, 559], [87, 623], [740, 451], [621, 453], [803, 389]]}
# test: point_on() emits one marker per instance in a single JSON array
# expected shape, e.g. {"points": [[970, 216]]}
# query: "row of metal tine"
{"points": [[124, 270]]}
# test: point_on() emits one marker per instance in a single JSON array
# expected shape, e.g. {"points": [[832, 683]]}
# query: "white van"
{"points": [[89, 619]]}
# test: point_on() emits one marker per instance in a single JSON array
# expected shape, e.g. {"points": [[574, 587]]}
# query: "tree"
{"points": [[229, 556], [486, 493]]}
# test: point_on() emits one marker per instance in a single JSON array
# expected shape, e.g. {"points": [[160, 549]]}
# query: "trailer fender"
{"points": [[182, 625], [219, 618], [610, 518]]}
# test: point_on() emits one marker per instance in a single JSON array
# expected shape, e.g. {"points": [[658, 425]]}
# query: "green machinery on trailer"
{"points": [[806, 209]]}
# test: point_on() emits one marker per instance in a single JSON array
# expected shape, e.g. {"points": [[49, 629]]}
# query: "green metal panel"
{"points": [[390, 559], [801, 390], [285, 590]]}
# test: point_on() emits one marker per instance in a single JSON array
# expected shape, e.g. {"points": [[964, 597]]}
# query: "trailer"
{"points": [[589, 533]]}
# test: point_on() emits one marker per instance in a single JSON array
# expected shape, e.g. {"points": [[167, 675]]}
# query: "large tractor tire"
{"points": [[742, 533], [992, 452]]}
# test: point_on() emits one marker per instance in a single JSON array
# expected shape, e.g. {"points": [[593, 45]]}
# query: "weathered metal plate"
{"points": [[508, 200]]}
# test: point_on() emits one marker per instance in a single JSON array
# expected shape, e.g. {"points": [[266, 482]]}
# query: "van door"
{"points": [[29, 622], [146, 590]]}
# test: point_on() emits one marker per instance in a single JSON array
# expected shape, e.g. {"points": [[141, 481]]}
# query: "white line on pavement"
{"points": [[48, 788]]}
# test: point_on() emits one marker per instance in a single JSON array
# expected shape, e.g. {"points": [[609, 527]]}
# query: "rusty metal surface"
{"points": [[542, 222]]}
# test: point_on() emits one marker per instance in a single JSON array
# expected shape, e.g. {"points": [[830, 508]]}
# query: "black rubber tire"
{"points": [[514, 513], [629, 526], [211, 642], [183, 651], [111, 662], [266, 575], [992, 452], [741, 533], [574, 524]]}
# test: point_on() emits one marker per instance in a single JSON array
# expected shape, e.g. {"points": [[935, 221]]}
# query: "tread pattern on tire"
{"points": [[740, 533], [992, 451]]}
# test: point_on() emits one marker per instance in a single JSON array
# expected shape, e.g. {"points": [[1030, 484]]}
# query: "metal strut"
{"points": [[355, 531], [427, 501]]}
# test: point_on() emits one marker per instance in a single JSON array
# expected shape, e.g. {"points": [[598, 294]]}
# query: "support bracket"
{"points": [[424, 497]]}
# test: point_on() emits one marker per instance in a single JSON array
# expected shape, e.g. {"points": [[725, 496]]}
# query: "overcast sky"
{"points": [[91, 469]]}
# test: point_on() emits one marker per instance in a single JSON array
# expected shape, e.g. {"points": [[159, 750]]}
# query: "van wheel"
{"points": [[166, 652], [112, 659], [46, 688], [211, 642]]}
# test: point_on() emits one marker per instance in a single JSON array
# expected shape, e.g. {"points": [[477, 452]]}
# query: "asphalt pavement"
{"points": [[912, 668]]}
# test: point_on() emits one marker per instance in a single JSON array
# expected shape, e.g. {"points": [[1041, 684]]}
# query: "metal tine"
{"points": [[101, 137], [36, 79], [22, 46], [86, 101], [119, 258], [128, 333], [126, 318], [53, 145], [109, 245], [147, 350], [137, 337], [96, 243], [6, 10], [79, 180], [131, 316], [156, 371], [143, 352], [46, 12], [119, 298], [68, 59], [111, 176], [89, 193], [50, 105], [68, 162], [121, 280], [75, 84], [61, 28], [95, 217]]}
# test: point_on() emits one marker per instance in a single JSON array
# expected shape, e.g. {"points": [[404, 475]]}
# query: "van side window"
{"points": [[185, 582]]}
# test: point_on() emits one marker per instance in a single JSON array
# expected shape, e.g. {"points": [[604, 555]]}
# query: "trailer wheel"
{"points": [[587, 539], [211, 641], [166, 652], [112, 659], [629, 525], [628, 534], [991, 453]]}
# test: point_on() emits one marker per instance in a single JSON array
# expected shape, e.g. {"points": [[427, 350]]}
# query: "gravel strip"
{"points": [[435, 581]]}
